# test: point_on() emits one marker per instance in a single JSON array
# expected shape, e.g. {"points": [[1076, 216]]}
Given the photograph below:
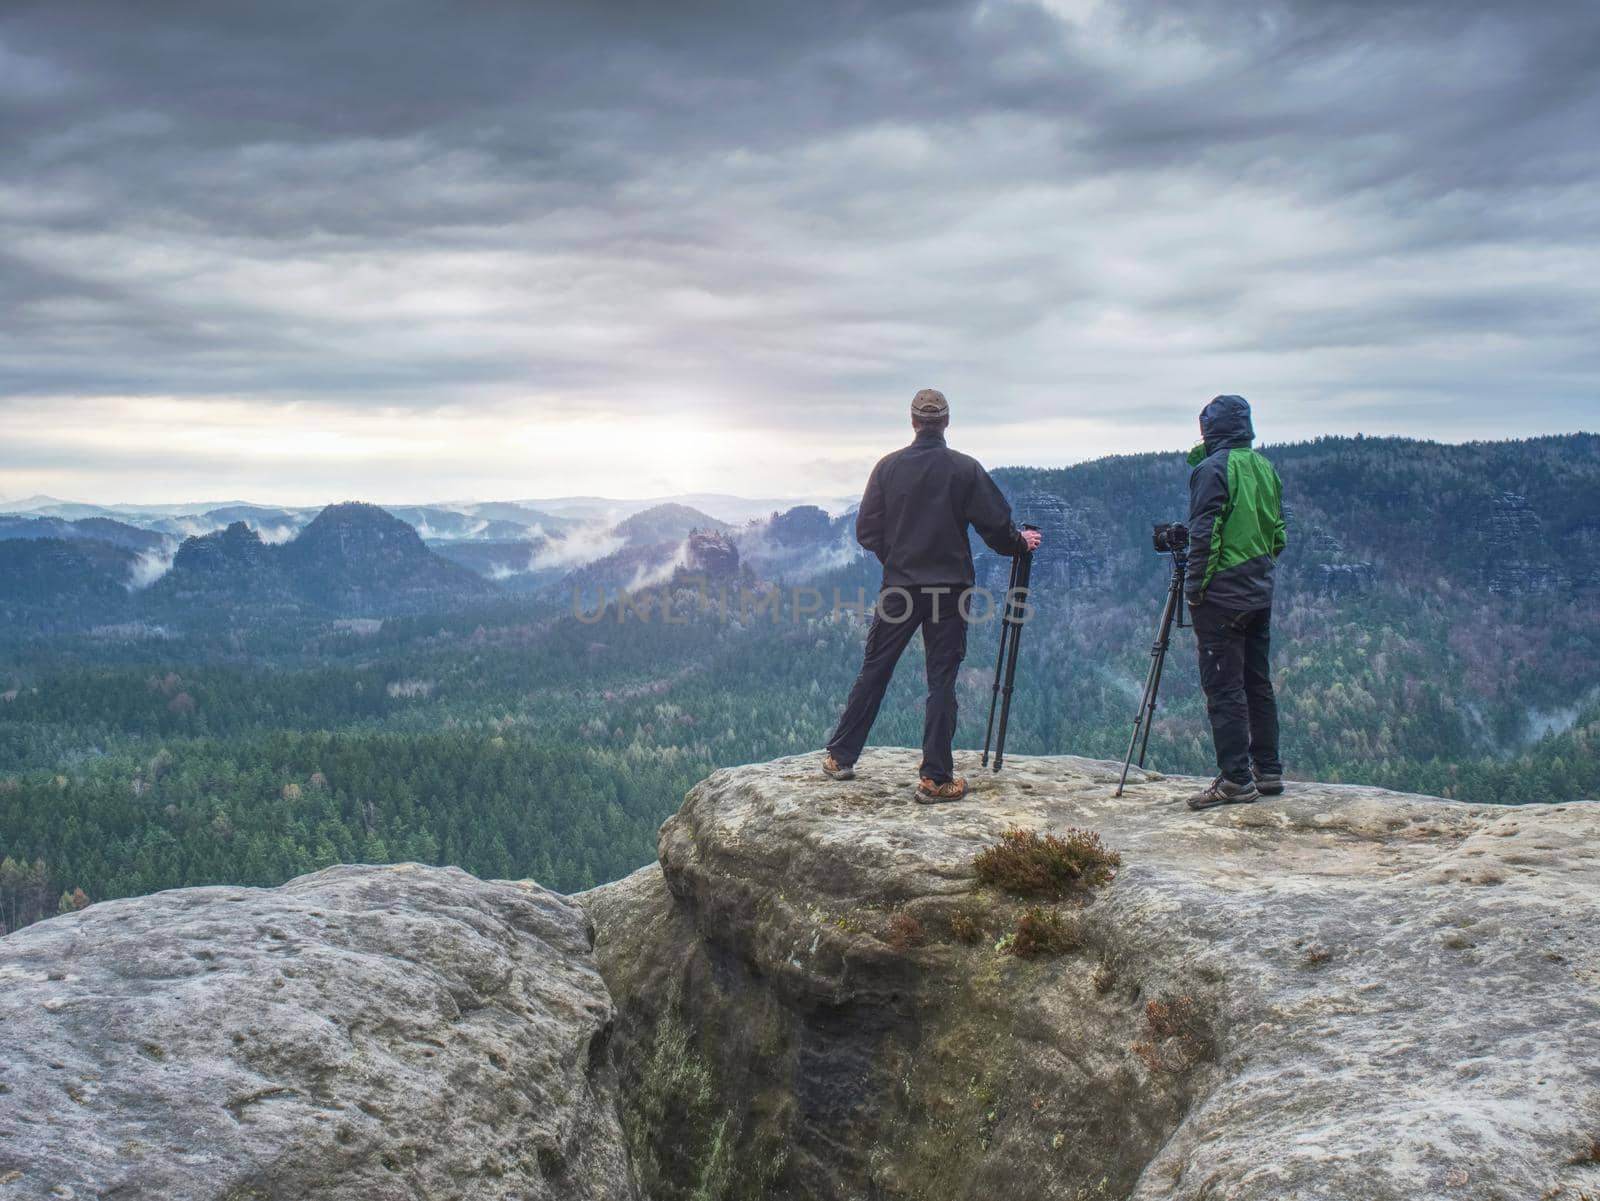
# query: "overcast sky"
{"points": [[299, 252]]}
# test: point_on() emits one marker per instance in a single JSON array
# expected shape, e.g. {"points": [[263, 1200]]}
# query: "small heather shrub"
{"points": [[1105, 978], [905, 932], [1045, 866], [965, 928], [1176, 1036], [1042, 932]]}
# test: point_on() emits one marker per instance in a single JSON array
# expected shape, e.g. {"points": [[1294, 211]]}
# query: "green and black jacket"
{"points": [[1235, 512]]}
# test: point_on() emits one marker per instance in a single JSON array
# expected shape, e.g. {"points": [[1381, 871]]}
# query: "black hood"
{"points": [[1225, 424]]}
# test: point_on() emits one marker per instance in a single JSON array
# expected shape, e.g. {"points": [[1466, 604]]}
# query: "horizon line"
{"points": [[668, 498]]}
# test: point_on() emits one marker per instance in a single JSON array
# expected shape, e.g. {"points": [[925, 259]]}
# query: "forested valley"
{"points": [[1437, 632]]}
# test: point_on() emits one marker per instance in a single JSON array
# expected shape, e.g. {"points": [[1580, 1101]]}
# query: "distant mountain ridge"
{"points": [[548, 515], [357, 557], [1519, 518], [1366, 516], [98, 529], [665, 523], [721, 506], [352, 558]]}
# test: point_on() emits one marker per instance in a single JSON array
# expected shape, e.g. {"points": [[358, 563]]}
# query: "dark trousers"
{"points": [[900, 614], [1235, 646]]}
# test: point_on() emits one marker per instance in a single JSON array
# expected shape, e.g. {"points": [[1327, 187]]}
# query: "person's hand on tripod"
{"points": [[1032, 538]]}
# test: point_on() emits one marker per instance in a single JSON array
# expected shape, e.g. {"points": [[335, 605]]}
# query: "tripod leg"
{"points": [[1005, 703], [1175, 601], [1140, 719], [1024, 573], [1000, 662], [1150, 713], [1152, 683], [1156, 670]]}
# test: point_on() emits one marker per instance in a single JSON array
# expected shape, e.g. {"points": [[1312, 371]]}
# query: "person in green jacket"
{"points": [[1236, 534]]}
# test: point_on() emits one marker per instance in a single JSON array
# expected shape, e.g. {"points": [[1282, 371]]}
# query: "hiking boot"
{"points": [[1268, 783], [1224, 791], [929, 793], [835, 770]]}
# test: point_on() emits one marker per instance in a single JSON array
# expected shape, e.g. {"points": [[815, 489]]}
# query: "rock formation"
{"points": [[362, 1034], [1340, 993], [711, 555], [228, 563], [1073, 555], [1345, 579], [1519, 563]]}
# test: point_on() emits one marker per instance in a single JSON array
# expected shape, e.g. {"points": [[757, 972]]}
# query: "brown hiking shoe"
{"points": [[835, 770], [1268, 783], [1223, 791], [929, 793]]}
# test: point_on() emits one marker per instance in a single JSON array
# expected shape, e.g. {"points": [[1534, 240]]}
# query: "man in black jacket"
{"points": [[914, 517]]}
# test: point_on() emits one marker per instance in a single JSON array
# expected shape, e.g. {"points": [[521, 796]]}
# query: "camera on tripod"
{"points": [[1170, 537]]}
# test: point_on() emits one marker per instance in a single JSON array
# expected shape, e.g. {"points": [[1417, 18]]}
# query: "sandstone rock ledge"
{"points": [[363, 1033], [1341, 993]]}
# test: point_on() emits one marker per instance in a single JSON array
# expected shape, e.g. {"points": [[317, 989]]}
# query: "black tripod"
{"points": [[1005, 666], [1171, 613]]}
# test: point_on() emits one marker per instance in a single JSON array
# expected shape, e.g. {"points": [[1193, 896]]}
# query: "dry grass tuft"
{"points": [[1104, 978], [905, 932], [964, 928], [1043, 932], [1167, 1019], [1177, 1037], [1042, 865]]}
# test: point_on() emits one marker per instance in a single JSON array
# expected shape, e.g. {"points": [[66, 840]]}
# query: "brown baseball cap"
{"points": [[930, 403]]}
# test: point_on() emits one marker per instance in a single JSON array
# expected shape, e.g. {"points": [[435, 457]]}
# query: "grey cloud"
{"points": [[631, 201]]}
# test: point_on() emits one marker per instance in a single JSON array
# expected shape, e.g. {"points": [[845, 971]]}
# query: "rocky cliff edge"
{"points": [[1337, 993], [362, 1034]]}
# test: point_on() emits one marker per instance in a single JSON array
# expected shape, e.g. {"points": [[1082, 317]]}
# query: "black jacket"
{"points": [[916, 509]]}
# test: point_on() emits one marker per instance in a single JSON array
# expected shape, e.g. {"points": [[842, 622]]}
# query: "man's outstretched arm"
{"points": [[990, 515]]}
